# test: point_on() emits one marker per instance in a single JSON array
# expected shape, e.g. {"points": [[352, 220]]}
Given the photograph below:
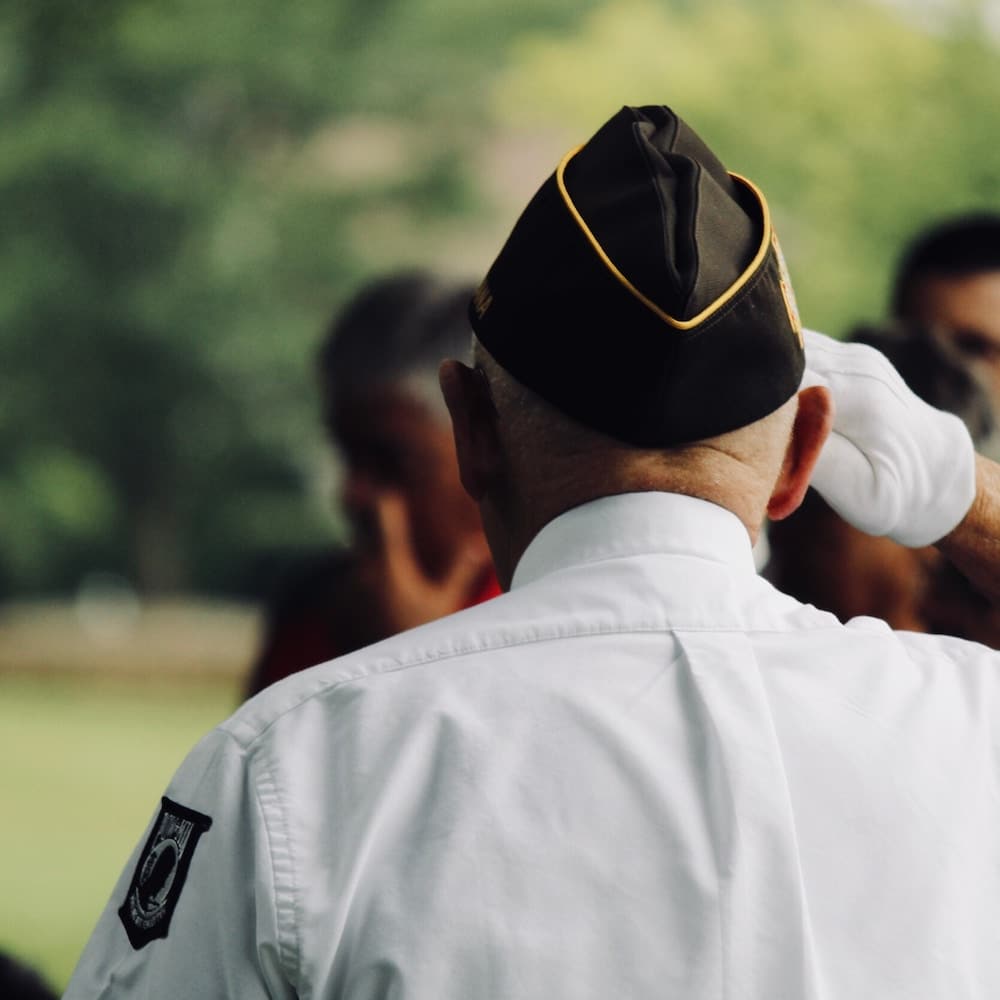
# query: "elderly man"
{"points": [[643, 772]]}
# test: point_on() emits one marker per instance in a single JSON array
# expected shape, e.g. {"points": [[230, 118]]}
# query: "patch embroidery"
{"points": [[786, 289], [160, 873], [483, 298]]}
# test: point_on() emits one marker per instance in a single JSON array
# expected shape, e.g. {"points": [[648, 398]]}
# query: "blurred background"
{"points": [[188, 190]]}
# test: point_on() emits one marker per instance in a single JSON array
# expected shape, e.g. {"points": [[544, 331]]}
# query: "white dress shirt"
{"points": [[642, 773]]}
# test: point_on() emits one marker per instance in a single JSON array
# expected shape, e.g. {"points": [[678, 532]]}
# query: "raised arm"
{"points": [[896, 466], [974, 545]]}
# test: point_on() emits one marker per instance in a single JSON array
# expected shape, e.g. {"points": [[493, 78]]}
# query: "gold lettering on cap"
{"points": [[483, 299], [786, 289]]}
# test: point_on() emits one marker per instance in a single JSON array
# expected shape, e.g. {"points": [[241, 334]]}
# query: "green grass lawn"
{"points": [[84, 762]]}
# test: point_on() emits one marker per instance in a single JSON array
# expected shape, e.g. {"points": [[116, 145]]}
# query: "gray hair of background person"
{"points": [[395, 331], [952, 248], [935, 373]]}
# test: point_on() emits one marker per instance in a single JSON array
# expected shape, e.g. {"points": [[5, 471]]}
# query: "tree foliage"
{"points": [[188, 187]]}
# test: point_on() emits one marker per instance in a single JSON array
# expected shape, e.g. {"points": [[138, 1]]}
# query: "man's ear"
{"points": [[813, 423], [466, 392]]}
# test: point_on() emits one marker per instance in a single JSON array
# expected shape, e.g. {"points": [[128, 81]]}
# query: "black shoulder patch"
{"points": [[160, 873]]}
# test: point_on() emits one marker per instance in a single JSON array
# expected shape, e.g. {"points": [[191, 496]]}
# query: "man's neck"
{"points": [[718, 478]]}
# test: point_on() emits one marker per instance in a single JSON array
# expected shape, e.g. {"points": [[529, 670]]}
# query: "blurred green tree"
{"points": [[188, 187]]}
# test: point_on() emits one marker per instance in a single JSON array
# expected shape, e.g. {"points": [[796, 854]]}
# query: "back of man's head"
{"points": [[642, 291], [549, 449], [638, 329]]}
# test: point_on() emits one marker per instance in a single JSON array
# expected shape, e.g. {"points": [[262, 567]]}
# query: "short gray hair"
{"points": [[395, 331]]}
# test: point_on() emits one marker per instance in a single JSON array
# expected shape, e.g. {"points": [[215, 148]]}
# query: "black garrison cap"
{"points": [[642, 291]]}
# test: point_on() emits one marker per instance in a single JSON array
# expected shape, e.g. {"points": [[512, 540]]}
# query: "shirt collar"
{"points": [[632, 524]]}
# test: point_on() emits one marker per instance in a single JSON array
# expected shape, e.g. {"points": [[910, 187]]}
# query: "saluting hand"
{"points": [[894, 465]]}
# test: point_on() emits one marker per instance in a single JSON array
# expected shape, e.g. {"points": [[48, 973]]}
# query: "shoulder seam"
{"points": [[370, 669]]}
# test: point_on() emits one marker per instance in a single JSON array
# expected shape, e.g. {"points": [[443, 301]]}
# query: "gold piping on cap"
{"points": [[677, 324]]}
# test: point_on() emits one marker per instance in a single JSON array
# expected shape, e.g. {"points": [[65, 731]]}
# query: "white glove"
{"points": [[894, 465]]}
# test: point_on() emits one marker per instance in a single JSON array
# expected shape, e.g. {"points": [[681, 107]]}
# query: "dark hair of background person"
{"points": [[953, 248], [19, 982]]}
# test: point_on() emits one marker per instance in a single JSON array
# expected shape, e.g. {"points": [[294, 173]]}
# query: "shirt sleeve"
{"points": [[193, 914]]}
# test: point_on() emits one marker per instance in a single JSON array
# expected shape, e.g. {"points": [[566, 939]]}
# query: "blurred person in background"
{"points": [[18, 981], [418, 551], [948, 279], [821, 559]]}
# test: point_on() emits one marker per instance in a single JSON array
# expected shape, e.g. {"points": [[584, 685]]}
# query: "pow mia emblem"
{"points": [[160, 873]]}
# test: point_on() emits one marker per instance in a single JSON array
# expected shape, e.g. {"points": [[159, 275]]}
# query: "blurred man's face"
{"points": [[392, 442], [967, 311]]}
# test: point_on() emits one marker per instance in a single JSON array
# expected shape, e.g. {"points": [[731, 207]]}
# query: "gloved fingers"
{"points": [[855, 487], [894, 465], [849, 369], [811, 378]]}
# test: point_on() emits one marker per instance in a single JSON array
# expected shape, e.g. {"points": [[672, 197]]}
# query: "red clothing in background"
{"points": [[315, 617]]}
